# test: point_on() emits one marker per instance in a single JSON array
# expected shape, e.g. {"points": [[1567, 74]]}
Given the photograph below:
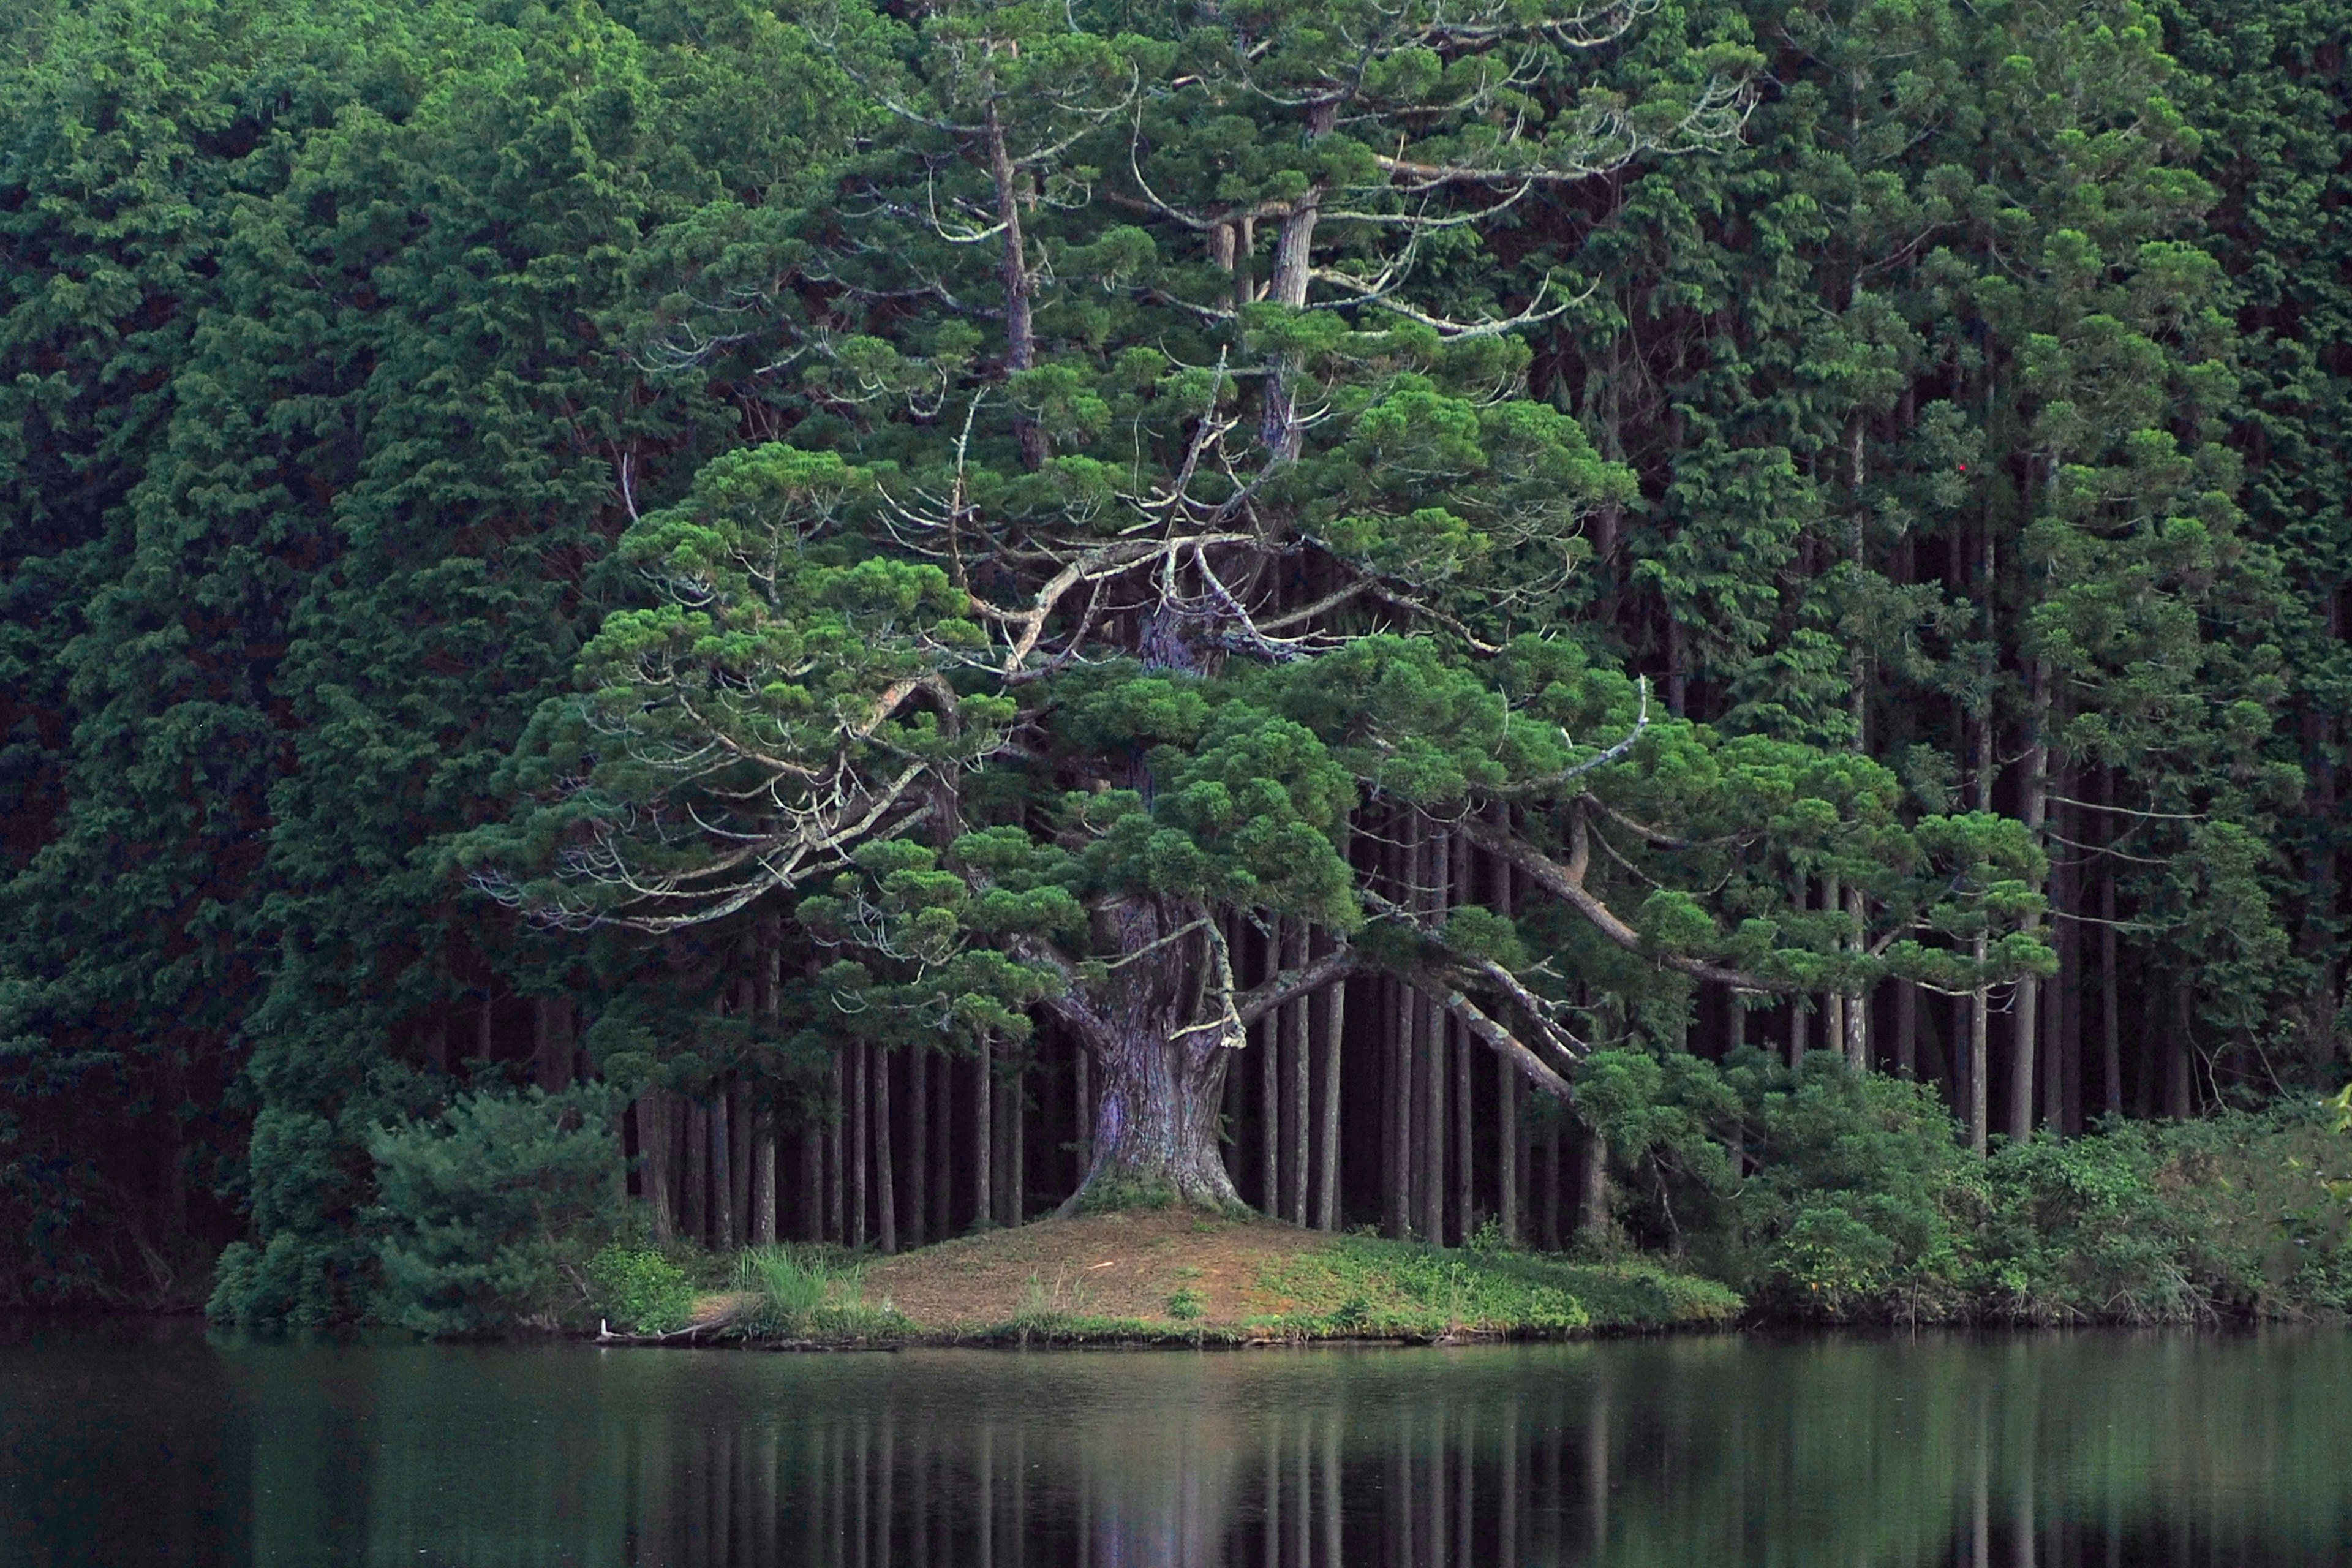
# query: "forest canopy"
{"points": [[1324, 602]]}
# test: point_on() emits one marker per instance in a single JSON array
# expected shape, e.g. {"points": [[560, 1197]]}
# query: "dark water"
{"points": [[126, 1444]]}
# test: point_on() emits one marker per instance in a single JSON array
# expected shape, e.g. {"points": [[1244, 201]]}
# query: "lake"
{"points": [[133, 1442]]}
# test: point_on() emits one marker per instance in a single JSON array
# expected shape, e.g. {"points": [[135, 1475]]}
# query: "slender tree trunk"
{"points": [[812, 1184], [984, 1153], [2111, 1044], [1297, 1144], [1465, 1164], [1020, 338], [2180, 1097], [484, 1040], [1510, 1091], [1857, 1007], [2152, 1033], [1833, 999], [2026, 1035], [1332, 1020], [1433, 1065], [698, 1173], [550, 1019], [886, 1201], [1798, 1029], [1979, 1032], [1016, 1143], [739, 1162], [1269, 1092], [834, 1194], [1906, 1028], [1592, 1192], [861, 1162], [1551, 1184], [722, 1174], [942, 1172], [656, 1147], [919, 1145], [436, 1046], [763, 1179]]}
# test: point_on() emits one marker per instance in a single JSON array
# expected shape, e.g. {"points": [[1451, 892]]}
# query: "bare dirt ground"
{"points": [[1124, 1264]]}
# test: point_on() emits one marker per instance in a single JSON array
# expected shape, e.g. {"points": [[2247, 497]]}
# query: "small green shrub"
{"points": [[1186, 1304], [641, 1291], [477, 1209]]}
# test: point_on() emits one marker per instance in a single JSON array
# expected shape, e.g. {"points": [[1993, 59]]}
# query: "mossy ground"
{"points": [[1179, 1277]]}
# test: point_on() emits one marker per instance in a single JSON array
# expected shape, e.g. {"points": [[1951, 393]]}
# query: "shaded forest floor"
{"points": [[1181, 1276]]}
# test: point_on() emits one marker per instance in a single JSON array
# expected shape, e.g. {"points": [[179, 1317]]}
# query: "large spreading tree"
{"points": [[1150, 534]]}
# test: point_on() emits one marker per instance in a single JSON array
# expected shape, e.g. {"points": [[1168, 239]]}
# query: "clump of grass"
{"points": [[802, 1292], [1186, 1304], [1365, 1286]]}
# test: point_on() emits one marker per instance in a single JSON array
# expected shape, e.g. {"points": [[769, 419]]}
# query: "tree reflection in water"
{"points": [[2049, 1451]]}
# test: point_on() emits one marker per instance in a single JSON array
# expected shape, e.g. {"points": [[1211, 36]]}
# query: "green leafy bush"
{"points": [[479, 1209], [640, 1292], [801, 1291]]}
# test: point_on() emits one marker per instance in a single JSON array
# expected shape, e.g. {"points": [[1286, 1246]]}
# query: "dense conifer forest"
{"points": [[1673, 625]]}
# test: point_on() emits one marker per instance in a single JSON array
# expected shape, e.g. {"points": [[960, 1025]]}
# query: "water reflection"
{"points": [[2050, 1450]]}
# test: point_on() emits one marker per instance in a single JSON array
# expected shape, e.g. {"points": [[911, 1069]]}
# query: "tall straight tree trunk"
{"points": [[722, 1173], [919, 1145], [2180, 1097], [1799, 1025], [1396, 1041], [1857, 1006], [739, 1161], [1833, 999], [2026, 1035], [485, 1038], [834, 1194], [886, 1201], [698, 1173], [763, 1179], [1016, 1151], [1269, 1092], [1980, 1044], [1906, 1028], [1510, 1089], [1433, 1061], [550, 1022], [942, 1172], [1592, 1191], [984, 1154], [1332, 1020], [2057, 1060], [1551, 1182], [860, 1163], [1464, 1162], [812, 1183], [2111, 1040], [1296, 1143], [657, 1150]]}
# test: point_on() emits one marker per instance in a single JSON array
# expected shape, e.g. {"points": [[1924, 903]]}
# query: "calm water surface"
{"points": [[135, 1444]]}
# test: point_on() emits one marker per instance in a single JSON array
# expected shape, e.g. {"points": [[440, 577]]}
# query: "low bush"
{"points": [[639, 1290], [799, 1292], [1823, 1194], [479, 1209]]}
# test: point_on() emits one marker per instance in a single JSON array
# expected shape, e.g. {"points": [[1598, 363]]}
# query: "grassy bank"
{"points": [[1167, 1277]]}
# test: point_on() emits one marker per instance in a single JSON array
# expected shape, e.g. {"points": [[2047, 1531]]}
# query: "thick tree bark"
{"points": [[1592, 1192], [1161, 1045], [2179, 1094], [1082, 1096], [1551, 1184], [1466, 1165], [812, 1184], [1510, 1089], [1857, 1006]]}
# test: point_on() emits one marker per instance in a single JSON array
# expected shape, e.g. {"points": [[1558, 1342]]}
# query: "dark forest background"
{"points": [[1984, 401]]}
